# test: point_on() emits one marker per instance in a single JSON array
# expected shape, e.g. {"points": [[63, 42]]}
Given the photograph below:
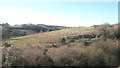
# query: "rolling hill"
{"points": [[81, 46], [26, 29]]}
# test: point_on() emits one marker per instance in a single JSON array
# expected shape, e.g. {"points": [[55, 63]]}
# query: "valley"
{"points": [[79, 46]]}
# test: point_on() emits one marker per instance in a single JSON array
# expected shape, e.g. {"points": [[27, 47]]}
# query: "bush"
{"points": [[5, 44], [107, 31], [114, 32], [86, 42], [44, 61], [62, 41], [101, 31], [19, 62], [64, 61], [67, 56], [105, 52]]}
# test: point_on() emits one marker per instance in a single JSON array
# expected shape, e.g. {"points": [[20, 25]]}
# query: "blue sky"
{"points": [[71, 14]]}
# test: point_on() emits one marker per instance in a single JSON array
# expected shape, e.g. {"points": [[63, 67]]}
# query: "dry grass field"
{"points": [[52, 37]]}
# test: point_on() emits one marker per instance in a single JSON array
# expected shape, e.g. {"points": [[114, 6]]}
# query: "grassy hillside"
{"points": [[54, 36], [86, 46]]}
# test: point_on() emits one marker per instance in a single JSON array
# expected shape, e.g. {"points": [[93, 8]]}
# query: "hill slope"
{"points": [[54, 36], [65, 47], [26, 29]]}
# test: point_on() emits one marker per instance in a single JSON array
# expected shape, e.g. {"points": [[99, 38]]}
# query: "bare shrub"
{"points": [[67, 56], [19, 62], [62, 41], [101, 31], [104, 52], [107, 31], [44, 61]]}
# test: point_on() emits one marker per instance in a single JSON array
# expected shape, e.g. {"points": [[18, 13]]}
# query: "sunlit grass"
{"points": [[11, 40], [75, 28]]}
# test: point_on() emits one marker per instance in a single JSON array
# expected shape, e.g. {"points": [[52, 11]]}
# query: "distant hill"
{"points": [[26, 29]]}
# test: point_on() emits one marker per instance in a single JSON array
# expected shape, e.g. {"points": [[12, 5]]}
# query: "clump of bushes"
{"points": [[101, 53], [86, 42], [108, 31], [114, 31], [102, 31], [66, 56], [63, 61], [6, 44], [62, 41], [44, 61], [19, 62]]}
